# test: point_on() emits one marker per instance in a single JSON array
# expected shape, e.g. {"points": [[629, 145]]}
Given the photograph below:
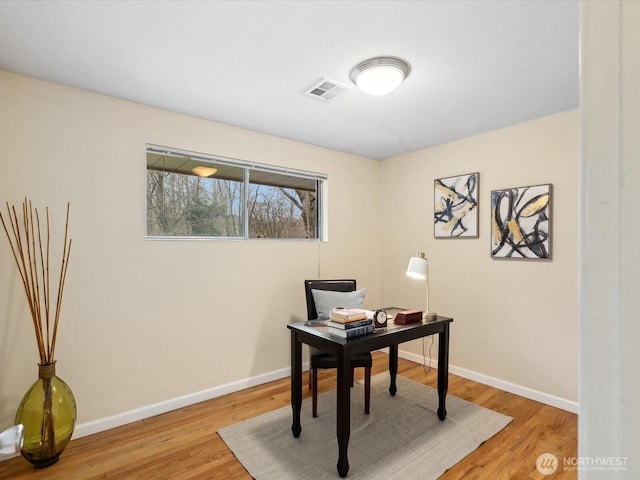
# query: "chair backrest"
{"points": [[333, 285]]}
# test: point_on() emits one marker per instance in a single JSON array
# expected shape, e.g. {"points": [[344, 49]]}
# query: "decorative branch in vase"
{"points": [[48, 410]]}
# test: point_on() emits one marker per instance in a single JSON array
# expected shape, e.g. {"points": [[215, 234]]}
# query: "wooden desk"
{"points": [[343, 349]]}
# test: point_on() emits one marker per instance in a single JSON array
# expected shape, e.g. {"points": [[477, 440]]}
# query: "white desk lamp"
{"points": [[418, 269], [11, 440]]}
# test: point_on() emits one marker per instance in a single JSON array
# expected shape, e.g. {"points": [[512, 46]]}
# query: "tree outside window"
{"points": [[183, 204]]}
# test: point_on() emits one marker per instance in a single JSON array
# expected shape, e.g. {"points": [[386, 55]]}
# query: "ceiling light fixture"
{"points": [[204, 171], [380, 75]]}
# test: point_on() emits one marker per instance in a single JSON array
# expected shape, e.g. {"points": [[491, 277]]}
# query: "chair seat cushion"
{"points": [[326, 360]]}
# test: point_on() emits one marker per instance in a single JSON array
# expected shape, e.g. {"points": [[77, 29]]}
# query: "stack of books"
{"points": [[349, 323]]}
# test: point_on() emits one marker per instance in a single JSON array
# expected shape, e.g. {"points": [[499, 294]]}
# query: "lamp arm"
{"points": [[426, 281], [428, 314]]}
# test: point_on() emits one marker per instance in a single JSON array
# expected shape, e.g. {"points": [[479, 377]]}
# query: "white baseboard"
{"points": [[89, 428], [141, 413], [529, 393]]}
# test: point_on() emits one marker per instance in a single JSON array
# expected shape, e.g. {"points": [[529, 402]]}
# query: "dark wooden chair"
{"points": [[319, 359]]}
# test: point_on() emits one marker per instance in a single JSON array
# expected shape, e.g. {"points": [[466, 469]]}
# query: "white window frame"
{"points": [[321, 180]]}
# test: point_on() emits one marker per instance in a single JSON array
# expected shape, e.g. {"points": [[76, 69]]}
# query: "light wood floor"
{"points": [[183, 444]]}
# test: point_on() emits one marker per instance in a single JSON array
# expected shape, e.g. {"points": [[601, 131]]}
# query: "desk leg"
{"points": [[443, 370], [393, 369], [296, 383], [343, 425]]}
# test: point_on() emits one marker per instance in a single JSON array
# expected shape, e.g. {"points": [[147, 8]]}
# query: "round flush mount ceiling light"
{"points": [[380, 75], [204, 171]]}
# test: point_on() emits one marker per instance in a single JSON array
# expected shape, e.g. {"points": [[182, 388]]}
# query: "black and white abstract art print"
{"points": [[456, 206], [521, 222]]}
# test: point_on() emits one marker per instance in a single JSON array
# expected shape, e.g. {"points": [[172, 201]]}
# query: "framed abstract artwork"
{"points": [[521, 222], [455, 206]]}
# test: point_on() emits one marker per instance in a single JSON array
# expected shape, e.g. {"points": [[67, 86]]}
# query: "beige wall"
{"points": [[148, 321], [514, 320]]}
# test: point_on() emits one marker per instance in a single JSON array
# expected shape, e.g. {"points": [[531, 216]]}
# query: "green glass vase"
{"points": [[48, 413]]}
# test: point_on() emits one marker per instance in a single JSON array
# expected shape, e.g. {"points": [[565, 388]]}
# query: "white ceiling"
{"points": [[476, 65]]}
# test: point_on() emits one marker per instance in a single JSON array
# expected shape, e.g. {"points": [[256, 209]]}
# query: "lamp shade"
{"points": [[417, 267]]}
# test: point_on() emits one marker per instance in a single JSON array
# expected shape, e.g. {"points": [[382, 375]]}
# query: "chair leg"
{"points": [[314, 393], [367, 389], [352, 375], [310, 379]]}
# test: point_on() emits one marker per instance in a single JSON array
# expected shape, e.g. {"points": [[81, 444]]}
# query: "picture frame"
{"points": [[521, 222], [455, 205]]}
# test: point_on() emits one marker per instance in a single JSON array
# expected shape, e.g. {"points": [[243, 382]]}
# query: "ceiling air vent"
{"points": [[326, 90]]}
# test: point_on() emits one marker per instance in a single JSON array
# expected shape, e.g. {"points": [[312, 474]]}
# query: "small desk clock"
{"points": [[380, 319]]}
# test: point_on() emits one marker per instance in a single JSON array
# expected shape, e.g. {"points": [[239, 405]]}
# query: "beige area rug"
{"points": [[401, 437]]}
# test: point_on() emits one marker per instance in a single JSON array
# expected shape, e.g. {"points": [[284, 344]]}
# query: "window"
{"points": [[195, 195]]}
